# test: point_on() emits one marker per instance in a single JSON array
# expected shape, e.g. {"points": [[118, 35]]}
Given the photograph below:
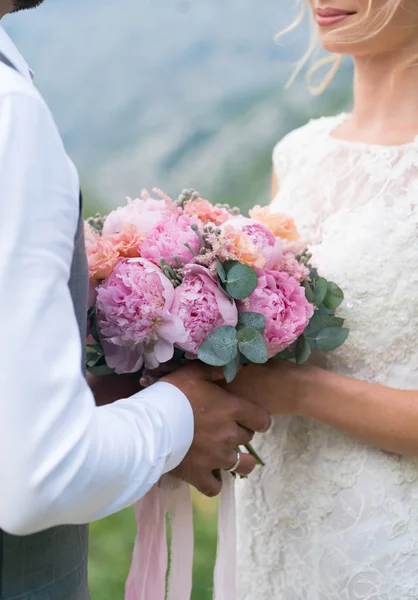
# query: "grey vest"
{"points": [[51, 565]]}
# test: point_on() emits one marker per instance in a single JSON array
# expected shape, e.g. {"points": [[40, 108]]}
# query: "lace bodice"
{"points": [[330, 518]]}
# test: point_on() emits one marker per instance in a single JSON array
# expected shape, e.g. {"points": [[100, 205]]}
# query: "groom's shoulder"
{"points": [[19, 98], [13, 82]]}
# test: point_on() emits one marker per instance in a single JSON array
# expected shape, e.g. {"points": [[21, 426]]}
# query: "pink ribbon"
{"points": [[148, 574]]}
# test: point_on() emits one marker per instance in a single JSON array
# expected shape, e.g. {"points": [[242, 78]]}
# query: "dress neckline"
{"points": [[335, 122]]}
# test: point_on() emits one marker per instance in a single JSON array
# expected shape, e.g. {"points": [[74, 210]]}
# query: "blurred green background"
{"points": [[111, 545]]}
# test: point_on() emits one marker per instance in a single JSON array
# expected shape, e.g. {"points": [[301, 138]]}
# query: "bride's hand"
{"points": [[277, 386]]}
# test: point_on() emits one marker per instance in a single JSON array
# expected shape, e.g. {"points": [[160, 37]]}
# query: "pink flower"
{"points": [[90, 234], [202, 306], [206, 212], [257, 241], [168, 240], [144, 213], [134, 317], [127, 241], [281, 299], [289, 264], [102, 257], [281, 226]]}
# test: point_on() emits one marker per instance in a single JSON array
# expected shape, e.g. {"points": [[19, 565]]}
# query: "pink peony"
{"points": [[127, 241], [144, 213], [202, 306], [281, 299], [206, 212], [263, 241], [167, 240], [102, 257], [134, 317]]}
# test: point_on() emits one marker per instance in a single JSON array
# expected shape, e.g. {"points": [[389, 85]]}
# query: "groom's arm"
{"points": [[62, 460]]}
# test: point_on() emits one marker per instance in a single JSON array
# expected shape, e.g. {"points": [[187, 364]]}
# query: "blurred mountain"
{"points": [[171, 93]]}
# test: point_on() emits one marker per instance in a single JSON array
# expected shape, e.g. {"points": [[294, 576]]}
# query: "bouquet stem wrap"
{"points": [[148, 574]]}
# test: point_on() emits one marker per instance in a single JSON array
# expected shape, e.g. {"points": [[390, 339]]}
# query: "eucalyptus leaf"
{"points": [[288, 354], [241, 281], [303, 350], [252, 319], [321, 288], [331, 338], [231, 369], [334, 296], [101, 370], [252, 345], [319, 322], [221, 271], [322, 310], [94, 354], [220, 347], [313, 274], [310, 296]]}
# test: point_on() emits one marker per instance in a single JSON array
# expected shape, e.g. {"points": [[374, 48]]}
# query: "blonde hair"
{"points": [[372, 28]]}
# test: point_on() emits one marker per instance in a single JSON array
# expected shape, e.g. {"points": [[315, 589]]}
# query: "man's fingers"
{"points": [[209, 485], [244, 436], [247, 465], [251, 416]]}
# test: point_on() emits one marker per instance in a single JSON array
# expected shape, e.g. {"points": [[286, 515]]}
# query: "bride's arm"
{"points": [[377, 415]]}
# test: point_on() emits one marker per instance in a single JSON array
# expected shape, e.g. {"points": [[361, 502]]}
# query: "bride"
{"points": [[334, 514]]}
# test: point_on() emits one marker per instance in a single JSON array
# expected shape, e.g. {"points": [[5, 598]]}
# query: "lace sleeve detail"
{"points": [[288, 150]]}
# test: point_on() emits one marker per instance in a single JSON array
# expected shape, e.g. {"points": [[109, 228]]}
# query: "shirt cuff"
{"points": [[176, 409]]}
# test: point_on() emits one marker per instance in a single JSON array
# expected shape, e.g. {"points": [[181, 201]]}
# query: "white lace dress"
{"points": [[330, 518]]}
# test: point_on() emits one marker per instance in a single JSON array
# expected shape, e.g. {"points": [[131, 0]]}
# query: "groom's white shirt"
{"points": [[62, 460]]}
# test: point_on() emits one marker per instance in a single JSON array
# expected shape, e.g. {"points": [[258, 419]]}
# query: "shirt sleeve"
{"points": [[62, 459]]}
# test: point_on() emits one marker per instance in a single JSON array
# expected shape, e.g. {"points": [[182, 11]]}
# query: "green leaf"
{"points": [[91, 312], [252, 345], [319, 322], [288, 354], [331, 338], [94, 354], [221, 271], [322, 310], [310, 296], [252, 319], [321, 288], [220, 347], [303, 350], [334, 296], [313, 274], [230, 370], [241, 281], [100, 370]]}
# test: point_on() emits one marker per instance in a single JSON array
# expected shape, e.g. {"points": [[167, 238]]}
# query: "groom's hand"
{"points": [[223, 421]]}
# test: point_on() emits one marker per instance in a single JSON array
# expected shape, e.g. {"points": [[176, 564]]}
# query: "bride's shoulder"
{"points": [[310, 130], [305, 137]]}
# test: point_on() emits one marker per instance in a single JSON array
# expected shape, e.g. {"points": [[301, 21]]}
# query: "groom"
{"points": [[63, 460]]}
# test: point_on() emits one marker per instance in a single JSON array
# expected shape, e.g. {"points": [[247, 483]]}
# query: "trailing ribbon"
{"points": [[148, 574]]}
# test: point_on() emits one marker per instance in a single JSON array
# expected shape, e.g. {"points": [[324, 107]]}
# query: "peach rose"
{"points": [[281, 225], [243, 248], [127, 241], [102, 258], [206, 212]]}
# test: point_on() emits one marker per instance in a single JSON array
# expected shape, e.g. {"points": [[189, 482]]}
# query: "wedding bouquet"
{"points": [[187, 279]]}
